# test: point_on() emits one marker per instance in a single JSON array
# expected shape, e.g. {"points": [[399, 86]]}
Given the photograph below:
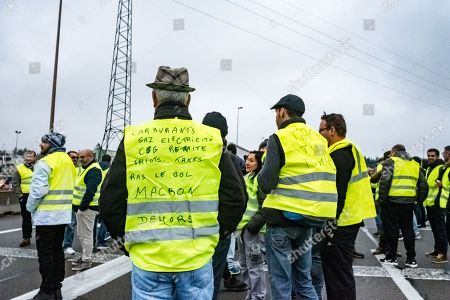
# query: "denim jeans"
{"points": [[196, 284], [289, 254], [101, 232], [69, 232], [316, 267]]}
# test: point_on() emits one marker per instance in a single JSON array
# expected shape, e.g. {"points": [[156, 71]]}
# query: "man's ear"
{"points": [[188, 101], [155, 103]]}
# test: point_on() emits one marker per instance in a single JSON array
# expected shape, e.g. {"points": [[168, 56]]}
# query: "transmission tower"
{"points": [[118, 114]]}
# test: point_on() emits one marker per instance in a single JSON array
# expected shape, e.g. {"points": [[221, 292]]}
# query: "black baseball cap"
{"points": [[292, 103]]}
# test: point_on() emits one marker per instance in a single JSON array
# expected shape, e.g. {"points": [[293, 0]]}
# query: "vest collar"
{"points": [[172, 109], [290, 121]]}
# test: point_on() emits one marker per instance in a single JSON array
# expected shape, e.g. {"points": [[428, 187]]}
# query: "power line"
{"points": [[305, 54], [370, 42], [335, 39]]}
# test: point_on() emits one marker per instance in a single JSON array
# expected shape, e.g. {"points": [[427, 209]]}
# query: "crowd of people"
{"points": [[180, 202]]}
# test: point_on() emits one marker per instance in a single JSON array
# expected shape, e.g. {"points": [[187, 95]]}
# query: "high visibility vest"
{"points": [[433, 188], [404, 179], [445, 192], [377, 185], [80, 186], [252, 203], [58, 201], [173, 181], [359, 203], [307, 181], [25, 178]]}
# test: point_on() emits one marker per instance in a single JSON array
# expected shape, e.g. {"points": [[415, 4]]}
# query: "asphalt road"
{"points": [[19, 273]]}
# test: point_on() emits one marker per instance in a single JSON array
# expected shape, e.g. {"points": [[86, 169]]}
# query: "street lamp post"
{"points": [[55, 71], [237, 127], [17, 140]]}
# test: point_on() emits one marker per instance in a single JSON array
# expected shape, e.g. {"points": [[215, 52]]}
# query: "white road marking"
{"points": [[98, 257], [404, 285], [409, 273], [84, 282], [10, 230]]}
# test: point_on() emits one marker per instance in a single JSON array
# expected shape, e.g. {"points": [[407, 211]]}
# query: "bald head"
{"points": [[86, 156]]}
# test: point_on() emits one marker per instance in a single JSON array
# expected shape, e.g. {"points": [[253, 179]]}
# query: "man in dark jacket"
{"points": [[171, 98], [401, 185], [220, 268]]}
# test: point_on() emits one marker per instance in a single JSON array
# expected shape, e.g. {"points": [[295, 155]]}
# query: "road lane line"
{"points": [[10, 230], [97, 257], [404, 285], [91, 279]]}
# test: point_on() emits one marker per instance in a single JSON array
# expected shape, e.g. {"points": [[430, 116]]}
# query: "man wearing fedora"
{"points": [[170, 193]]}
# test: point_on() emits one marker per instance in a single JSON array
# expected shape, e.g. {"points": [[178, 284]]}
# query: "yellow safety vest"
{"points": [[377, 188], [25, 178], [80, 186], [252, 204], [405, 177], [359, 203], [445, 192], [59, 197], [307, 181], [433, 189], [173, 181]]}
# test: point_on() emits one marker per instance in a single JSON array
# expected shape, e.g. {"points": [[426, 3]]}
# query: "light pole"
{"points": [[17, 139], [55, 71], [237, 127]]}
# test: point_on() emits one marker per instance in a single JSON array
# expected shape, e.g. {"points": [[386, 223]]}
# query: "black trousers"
{"points": [[49, 240], [26, 218], [337, 261], [436, 216], [394, 217], [447, 226], [421, 214]]}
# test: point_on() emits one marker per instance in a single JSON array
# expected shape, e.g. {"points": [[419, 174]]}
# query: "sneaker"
{"points": [[378, 251], [433, 254], [440, 259], [234, 269], [76, 262], [400, 238], [234, 284], [69, 251], [411, 263], [24, 243], [84, 265], [43, 296], [357, 254], [418, 236], [391, 262], [102, 246], [376, 233]]}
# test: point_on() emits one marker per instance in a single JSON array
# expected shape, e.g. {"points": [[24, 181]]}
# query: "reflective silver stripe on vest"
{"points": [[52, 202], [323, 197], [358, 177], [405, 177], [60, 192], [403, 187], [308, 178], [81, 189], [78, 196], [170, 234], [155, 207]]}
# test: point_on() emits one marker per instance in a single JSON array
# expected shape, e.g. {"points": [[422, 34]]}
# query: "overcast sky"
{"points": [[390, 56]]}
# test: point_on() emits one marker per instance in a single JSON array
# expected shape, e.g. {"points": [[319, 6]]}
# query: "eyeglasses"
{"points": [[74, 157], [322, 129]]}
